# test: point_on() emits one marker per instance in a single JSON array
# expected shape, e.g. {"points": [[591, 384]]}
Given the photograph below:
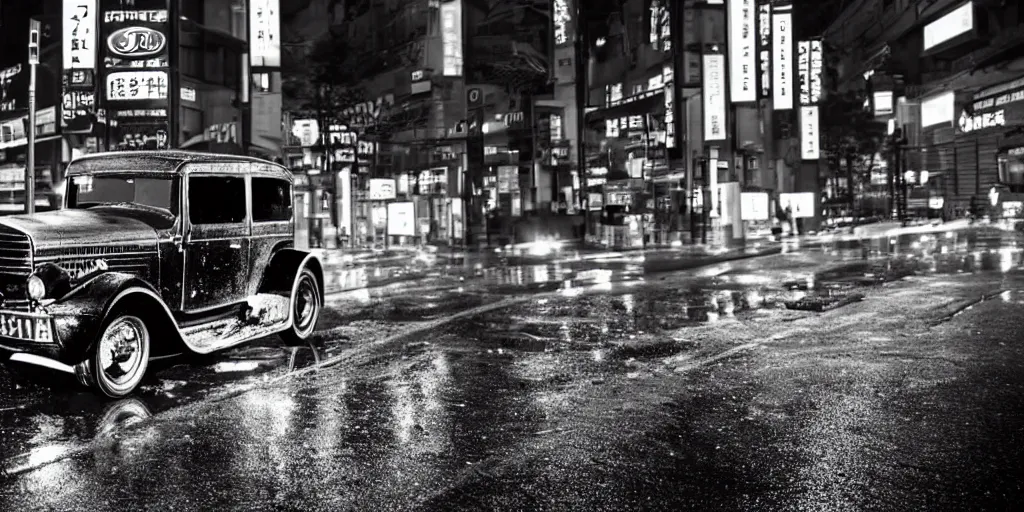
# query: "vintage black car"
{"points": [[154, 254]]}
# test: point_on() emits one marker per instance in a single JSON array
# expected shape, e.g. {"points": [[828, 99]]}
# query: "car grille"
{"points": [[15, 267]]}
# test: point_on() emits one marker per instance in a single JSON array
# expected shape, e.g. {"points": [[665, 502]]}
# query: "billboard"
{"points": [[402, 219], [382, 189], [782, 57], [764, 48], [562, 15], [451, 38], [714, 97], [809, 133], [79, 28], [958, 22], [938, 109], [137, 37], [742, 51], [265, 33]]}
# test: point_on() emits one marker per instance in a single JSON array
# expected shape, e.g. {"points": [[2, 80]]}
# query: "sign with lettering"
{"points": [[136, 42], [742, 59], [714, 97], [79, 22], [137, 85], [265, 33], [969, 123], [141, 134], [8, 93], [782, 61], [451, 37], [764, 45]]}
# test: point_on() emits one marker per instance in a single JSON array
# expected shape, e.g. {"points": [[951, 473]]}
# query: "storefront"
{"points": [[14, 157]]}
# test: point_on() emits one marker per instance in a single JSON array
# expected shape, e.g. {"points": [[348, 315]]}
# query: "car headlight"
{"points": [[36, 288]]}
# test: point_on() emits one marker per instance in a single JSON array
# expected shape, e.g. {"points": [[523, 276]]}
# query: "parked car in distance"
{"points": [[155, 253]]}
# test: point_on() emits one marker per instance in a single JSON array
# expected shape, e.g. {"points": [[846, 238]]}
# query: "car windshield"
{"points": [[159, 194]]}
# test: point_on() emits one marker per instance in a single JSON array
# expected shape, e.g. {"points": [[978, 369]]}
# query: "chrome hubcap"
{"points": [[305, 304], [120, 350]]}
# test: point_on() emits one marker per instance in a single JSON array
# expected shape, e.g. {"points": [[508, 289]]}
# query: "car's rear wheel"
{"points": [[305, 309], [121, 356]]}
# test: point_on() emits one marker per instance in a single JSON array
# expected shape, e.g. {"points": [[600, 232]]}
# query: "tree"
{"points": [[851, 138]]}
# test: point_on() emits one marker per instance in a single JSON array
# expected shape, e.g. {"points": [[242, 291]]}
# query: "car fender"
{"points": [[78, 315], [281, 275]]}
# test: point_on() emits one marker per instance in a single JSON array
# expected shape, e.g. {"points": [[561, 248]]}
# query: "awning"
{"points": [[645, 103]]}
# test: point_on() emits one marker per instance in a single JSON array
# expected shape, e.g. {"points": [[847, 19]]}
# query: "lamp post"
{"points": [[30, 160]]}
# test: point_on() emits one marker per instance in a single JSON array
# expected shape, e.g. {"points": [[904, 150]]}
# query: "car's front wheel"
{"points": [[121, 357], [306, 307]]}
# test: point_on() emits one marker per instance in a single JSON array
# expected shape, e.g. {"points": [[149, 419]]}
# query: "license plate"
{"points": [[26, 326]]}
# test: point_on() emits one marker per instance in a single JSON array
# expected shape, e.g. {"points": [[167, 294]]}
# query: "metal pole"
{"points": [[30, 159]]}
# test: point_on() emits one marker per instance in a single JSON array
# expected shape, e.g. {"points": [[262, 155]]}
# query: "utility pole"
{"points": [[30, 160]]}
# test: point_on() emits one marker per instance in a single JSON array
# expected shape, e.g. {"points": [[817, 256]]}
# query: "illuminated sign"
{"points": [[79, 30], [803, 66], [959, 21], [883, 103], [136, 42], [451, 37], [937, 109], [782, 62], [670, 116], [999, 95], [137, 85], [817, 63], [969, 123], [764, 31], [660, 26], [809, 133], [742, 47], [714, 97], [265, 33], [562, 17]]}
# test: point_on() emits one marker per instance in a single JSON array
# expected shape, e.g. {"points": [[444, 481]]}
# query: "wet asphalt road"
{"points": [[616, 391]]}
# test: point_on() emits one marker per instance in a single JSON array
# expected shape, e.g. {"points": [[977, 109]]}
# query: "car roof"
{"points": [[168, 162]]}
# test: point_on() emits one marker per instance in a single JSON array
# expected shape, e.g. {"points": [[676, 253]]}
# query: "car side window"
{"points": [[271, 200], [216, 199]]}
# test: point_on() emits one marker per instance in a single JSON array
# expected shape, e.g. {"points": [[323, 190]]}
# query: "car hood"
{"points": [[69, 228]]}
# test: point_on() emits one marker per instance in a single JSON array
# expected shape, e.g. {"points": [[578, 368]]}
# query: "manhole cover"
{"points": [[823, 303]]}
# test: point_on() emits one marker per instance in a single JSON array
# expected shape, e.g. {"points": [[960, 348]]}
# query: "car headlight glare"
{"points": [[36, 288]]}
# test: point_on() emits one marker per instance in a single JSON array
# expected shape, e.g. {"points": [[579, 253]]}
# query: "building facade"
{"points": [[949, 75], [123, 75], [443, 139]]}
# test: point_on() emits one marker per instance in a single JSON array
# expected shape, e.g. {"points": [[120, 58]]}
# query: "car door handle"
{"points": [[236, 246]]}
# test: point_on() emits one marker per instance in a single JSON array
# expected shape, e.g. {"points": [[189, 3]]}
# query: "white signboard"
{"points": [[764, 31], [78, 44], [817, 64], [883, 103], [265, 33], [402, 219], [969, 123], [803, 66], [714, 97], [451, 37], [742, 50], [382, 189], [137, 85], [562, 17], [754, 206], [809, 133], [958, 22], [801, 204], [782, 61], [938, 109]]}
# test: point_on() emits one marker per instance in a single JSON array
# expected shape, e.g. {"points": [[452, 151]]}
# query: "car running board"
{"points": [[264, 315]]}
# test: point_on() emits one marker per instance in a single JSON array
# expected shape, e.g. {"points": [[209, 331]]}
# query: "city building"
{"points": [[143, 74], [689, 135], [442, 138], [948, 78]]}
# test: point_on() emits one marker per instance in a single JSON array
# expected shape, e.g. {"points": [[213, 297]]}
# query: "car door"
{"points": [[216, 242]]}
